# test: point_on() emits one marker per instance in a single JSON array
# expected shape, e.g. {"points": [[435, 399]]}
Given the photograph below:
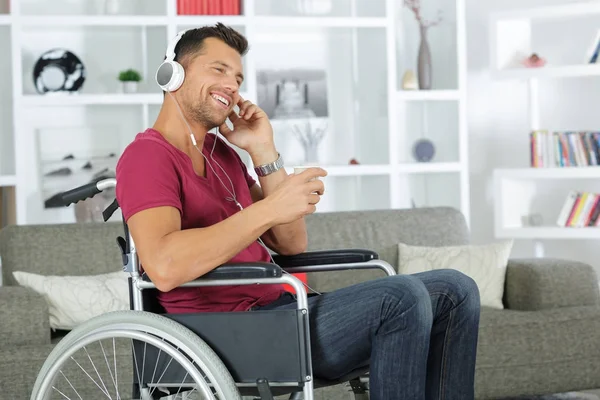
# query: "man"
{"points": [[191, 206]]}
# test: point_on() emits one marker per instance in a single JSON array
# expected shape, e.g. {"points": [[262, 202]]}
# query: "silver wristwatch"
{"points": [[266, 169]]}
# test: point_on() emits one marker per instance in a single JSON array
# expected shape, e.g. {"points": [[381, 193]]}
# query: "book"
{"points": [[580, 210], [564, 149]]}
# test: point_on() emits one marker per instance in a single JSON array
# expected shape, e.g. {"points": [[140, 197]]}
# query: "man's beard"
{"points": [[203, 113]]}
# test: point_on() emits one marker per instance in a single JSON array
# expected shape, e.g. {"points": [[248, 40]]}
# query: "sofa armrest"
{"points": [[24, 315], [543, 283]]}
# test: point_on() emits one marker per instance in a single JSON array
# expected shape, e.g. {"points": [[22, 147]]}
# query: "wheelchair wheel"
{"points": [[133, 355]]}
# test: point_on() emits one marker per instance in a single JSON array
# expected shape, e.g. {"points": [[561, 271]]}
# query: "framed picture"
{"points": [[292, 93]]}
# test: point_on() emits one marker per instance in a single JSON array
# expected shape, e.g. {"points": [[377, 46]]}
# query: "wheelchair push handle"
{"points": [[86, 191]]}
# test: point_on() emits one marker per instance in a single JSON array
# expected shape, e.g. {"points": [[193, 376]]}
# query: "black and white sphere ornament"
{"points": [[58, 70]]}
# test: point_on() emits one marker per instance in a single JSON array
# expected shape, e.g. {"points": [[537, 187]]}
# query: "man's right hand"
{"points": [[296, 196]]}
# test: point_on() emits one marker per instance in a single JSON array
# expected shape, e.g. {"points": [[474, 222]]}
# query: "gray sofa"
{"points": [[547, 340]]}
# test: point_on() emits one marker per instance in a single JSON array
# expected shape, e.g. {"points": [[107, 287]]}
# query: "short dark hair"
{"points": [[192, 42]]}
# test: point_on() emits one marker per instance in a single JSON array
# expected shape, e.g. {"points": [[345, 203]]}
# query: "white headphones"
{"points": [[170, 73]]}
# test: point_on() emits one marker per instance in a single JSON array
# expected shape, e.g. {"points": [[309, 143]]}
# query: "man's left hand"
{"points": [[252, 130]]}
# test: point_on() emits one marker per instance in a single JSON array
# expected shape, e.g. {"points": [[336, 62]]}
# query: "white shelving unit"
{"points": [[8, 177], [364, 47], [520, 192]]}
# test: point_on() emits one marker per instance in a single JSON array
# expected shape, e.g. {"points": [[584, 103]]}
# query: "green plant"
{"points": [[130, 75]]}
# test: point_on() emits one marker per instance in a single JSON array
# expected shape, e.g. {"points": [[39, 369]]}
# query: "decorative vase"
{"points": [[129, 86], [311, 152], [409, 81], [424, 62]]}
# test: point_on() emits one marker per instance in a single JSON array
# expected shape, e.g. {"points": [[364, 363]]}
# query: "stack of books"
{"points": [[564, 149], [581, 209], [208, 7]]}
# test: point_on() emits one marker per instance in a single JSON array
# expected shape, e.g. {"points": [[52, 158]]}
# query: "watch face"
{"points": [[58, 70]]}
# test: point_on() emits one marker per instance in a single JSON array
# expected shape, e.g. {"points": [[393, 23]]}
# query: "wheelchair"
{"points": [[219, 355]]}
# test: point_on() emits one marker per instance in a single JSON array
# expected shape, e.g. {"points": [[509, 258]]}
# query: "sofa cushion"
{"points": [[73, 300], [485, 264], [533, 352], [23, 317]]}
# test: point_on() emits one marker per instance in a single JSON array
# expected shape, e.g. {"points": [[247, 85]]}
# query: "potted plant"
{"points": [[129, 80]]}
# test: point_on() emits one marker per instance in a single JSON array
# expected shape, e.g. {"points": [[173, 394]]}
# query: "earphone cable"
{"points": [[232, 191]]}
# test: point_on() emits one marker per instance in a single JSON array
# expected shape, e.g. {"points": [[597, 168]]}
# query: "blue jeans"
{"points": [[417, 333]]}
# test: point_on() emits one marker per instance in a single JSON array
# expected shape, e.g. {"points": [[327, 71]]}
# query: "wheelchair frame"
{"points": [[249, 274]]}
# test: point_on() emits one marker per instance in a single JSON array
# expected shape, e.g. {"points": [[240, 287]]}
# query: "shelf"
{"points": [[548, 233], [347, 56], [321, 22], [409, 168], [549, 173], [426, 95], [428, 168], [91, 99], [8, 180], [86, 20], [351, 170], [551, 12], [567, 71], [5, 19], [199, 20]]}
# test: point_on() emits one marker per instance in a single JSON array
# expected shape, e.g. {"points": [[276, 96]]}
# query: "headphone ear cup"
{"points": [[170, 75], [178, 76]]}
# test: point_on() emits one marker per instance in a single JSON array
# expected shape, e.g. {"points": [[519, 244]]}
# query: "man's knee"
{"points": [[461, 287], [408, 296]]}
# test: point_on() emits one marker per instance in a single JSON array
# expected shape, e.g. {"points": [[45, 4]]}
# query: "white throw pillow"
{"points": [[485, 264], [75, 299]]}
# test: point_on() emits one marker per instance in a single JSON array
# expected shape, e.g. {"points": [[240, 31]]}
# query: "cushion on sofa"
{"points": [[75, 299], [485, 264]]}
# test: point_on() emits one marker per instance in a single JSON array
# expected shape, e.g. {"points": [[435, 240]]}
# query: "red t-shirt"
{"points": [[151, 173]]}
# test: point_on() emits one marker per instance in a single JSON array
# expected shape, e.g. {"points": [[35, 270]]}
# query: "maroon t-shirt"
{"points": [[151, 173]]}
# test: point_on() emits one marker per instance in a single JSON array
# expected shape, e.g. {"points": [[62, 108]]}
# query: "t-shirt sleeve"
{"points": [[147, 177]]}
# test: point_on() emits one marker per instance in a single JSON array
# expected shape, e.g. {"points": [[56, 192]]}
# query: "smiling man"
{"points": [[191, 206]]}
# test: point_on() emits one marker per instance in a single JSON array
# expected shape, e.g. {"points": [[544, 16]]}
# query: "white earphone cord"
{"points": [[232, 191]]}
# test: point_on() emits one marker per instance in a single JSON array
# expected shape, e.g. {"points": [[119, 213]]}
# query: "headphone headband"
{"points": [[172, 44]]}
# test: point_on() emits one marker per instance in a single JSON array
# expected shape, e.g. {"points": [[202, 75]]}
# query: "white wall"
{"points": [[498, 118]]}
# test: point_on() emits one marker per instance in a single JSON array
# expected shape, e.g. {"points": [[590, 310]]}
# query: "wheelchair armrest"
{"points": [[333, 260], [325, 257], [255, 270]]}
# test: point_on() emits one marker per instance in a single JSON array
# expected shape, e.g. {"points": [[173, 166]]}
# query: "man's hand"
{"points": [[296, 196], [252, 130]]}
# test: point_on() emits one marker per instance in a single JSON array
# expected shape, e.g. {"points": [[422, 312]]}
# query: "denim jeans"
{"points": [[417, 333]]}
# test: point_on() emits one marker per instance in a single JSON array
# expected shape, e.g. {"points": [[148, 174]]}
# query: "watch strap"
{"points": [[267, 169]]}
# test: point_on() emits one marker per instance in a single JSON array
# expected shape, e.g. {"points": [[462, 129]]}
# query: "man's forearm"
{"points": [[288, 238]]}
